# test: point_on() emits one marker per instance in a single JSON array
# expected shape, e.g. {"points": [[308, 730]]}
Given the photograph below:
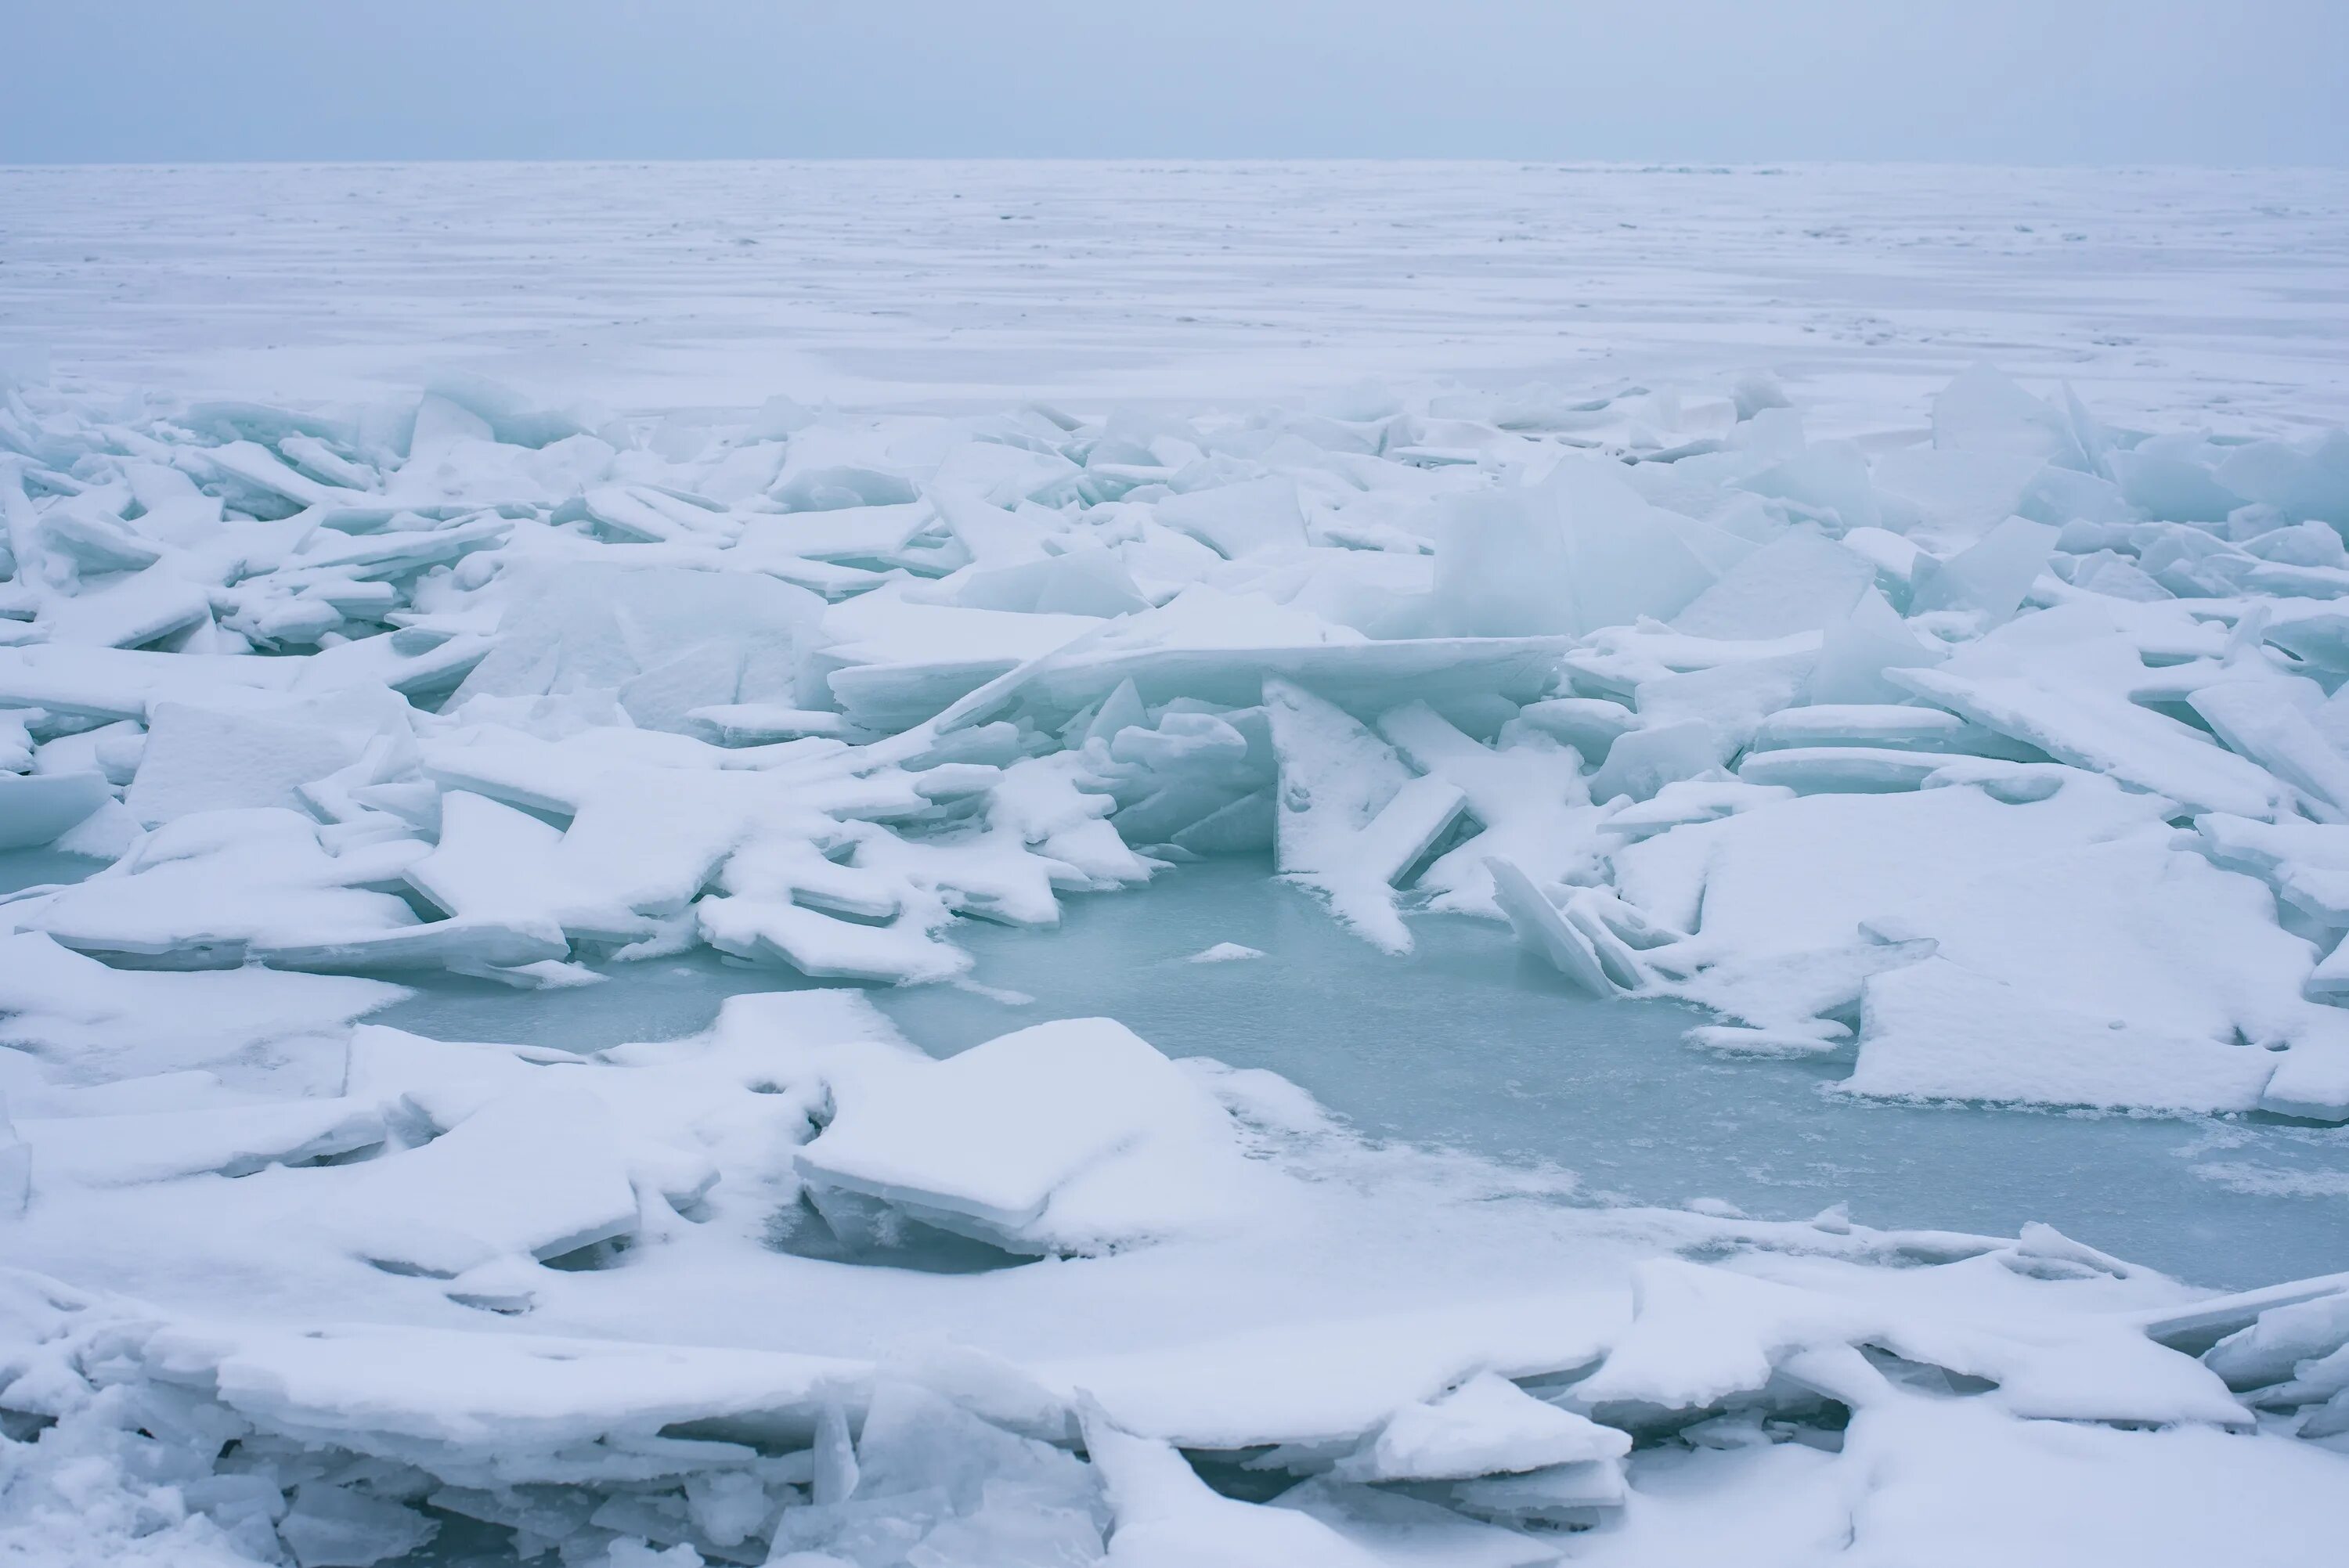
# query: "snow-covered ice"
{"points": [[1798, 918]]}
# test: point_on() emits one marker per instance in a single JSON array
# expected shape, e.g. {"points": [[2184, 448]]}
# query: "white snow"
{"points": [[1070, 1134]]}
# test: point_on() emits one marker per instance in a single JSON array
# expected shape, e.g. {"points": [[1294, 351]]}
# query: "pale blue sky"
{"points": [[2040, 81]]}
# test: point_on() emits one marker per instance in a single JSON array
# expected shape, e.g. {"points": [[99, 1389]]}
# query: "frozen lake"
{"points": [[1470, 1046], [2217, 294], [1899, 608]]}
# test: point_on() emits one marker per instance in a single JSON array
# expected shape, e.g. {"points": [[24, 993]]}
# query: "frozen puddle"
{"points": [[1470, 1046]]}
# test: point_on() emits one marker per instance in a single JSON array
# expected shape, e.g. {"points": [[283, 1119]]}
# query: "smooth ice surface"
{"points": [[665, 286]]}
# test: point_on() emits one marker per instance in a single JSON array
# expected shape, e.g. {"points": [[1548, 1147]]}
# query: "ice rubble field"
{"points": [[533, 1028]]}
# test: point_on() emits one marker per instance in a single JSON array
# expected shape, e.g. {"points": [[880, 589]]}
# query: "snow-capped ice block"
{"points": [[1392, 1526], [1067, 1136], [492, 947], [1256, 517], [1730, 699], [491, 858], [211, 885], [1685, 801], [95, 539], [512, 1406], [1954, 496], [444, 1081], [1083, 579], [1799, 581], [335, 1527], [2079, 897], [219, 888], [1580, 551], [1828, 481], [825, 947], [762, 723], [536, 1171], [1963, 1484], [1878, 725], [666, 640], [1699, 1336], [2171, 478], [841, 533], [2109, 574], [1352, 817], [884, 627], [1989, 577], [257, 753], [1525, 791], [1936, 1031], [1487, 1426], [128, 612], [2194, 1327], [2268, 1350], [914, 1435], [158, 1145], [1982, 410], [64, 1005], [1647, 760], [2133, 928], [1166, 1517], [641, 514], [37, 808], [937, 1483], [2269, 722], [1543, 929], [1591, 725], [2312, 1081], [456, 464], [1059, 806], [2308, 479], [1203, 643], [1366, 677], [1855, 770], [1857, 654], [2065, 680]]}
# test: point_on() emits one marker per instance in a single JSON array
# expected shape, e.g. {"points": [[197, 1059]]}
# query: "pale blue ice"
{"points": [[1470, 1046]]}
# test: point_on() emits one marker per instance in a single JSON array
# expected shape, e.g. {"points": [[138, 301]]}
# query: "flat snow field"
{"points": [[922, 865], [2222, 295]]}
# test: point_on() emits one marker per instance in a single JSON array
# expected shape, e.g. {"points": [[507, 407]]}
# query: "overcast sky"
{"points": [[2040, 81]]}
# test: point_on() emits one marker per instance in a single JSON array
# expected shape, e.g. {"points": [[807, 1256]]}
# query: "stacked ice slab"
{"points": [[2006, 765]]}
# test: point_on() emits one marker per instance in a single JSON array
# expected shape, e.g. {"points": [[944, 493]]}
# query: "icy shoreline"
{"points": [[2002, 767]]}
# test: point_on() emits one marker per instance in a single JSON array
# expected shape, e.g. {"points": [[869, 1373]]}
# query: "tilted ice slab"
{"points": [[1067, 1135]]}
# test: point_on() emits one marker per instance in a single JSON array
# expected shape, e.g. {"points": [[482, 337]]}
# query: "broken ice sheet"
{"points": [[534, 1171], [1353, 818], [1072, 1135]]}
